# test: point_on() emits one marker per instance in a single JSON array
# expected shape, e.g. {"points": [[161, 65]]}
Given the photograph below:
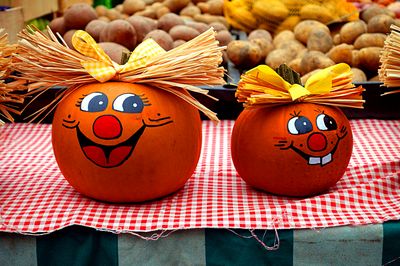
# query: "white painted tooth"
{"points": [[327, 159], [314, 160]]}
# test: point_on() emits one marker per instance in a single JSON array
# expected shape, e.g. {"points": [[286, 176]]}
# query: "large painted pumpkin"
{"points": [[298, 149], [123, 142]]}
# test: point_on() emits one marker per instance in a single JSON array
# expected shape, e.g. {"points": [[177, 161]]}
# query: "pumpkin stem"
{"points": [[288, 74]]}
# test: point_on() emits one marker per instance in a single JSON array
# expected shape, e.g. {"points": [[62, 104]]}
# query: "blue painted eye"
{"points": [[299, 125], [326, 122], [94, 102], [128, 103]]}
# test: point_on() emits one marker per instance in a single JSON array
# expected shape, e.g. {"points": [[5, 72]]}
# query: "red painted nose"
{"points": [[107, 127], [316, 142]]}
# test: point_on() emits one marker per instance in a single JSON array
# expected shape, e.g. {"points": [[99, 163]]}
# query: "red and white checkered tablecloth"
{"points": [[35, 198]]}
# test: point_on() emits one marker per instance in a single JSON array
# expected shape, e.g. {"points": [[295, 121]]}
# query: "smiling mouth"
{"points": [[108, 156], [315, 160]]}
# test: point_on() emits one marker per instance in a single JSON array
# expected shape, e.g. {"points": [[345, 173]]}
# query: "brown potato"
{"points": [[103, 18], [162, 38], [304, 28], [168, 21], [199, 26], [224, 37], [293, 46], [208, 19], [373, 11], [68, 38], [162, 11], [351, 30], [336, 39], [142, 26], [244, 54], [295, 64], [306, 76], [121, 32], [176, 5], [114, 51], [313, 60], [113, 14], [358, 75], [260, 34], [77, 16], [183, 32], [95, 27], [178, 43], [190, 11], [218, 26], [277, 57], [319, 40], [216, 7], [132, 6], [283, 36], [58, 25], [370, 40], [380, 23], [342, 53], [101, 10], [265, 46], [368, 59]]}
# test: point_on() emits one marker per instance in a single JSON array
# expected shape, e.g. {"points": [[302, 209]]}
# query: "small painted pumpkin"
{"points": [[297, 149], [123, 142]]}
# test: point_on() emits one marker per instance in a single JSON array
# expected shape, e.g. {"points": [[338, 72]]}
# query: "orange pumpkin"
{"points": [[123, 142], [297, 149]]}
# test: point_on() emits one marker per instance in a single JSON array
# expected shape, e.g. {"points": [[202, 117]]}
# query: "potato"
{"points": [[77, 16], [199, 26], [114, 51], [265, 46], [342, 53], [224, 37], [208, 19], [283, 36], [95, 27], [183, 32], [162, 38], [295, 64], [244, 54], [260, 34], [190, 11], [313, 60], [277, 57], [351, 30], [176, 5], [162, 11], [368, 58], [336, 39], [319, 40], [113, 14], [380, 23], [218, 26], [168, 21], [119, 8], [358, 75], [121, 32], [370, 40], [293, 46], [103, 18], [148, 12], [68, 38], [375, 78], [216, 7], [288, 24], [304, 28], [101, 10], [58, 25], [306, 76], [178, 42], [373, 11], [142, 26], [132, 6]]}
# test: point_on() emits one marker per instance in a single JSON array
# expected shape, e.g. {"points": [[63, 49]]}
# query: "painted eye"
{"points": [[128, 103], [299, 125], [326, 122], [94, 102]]}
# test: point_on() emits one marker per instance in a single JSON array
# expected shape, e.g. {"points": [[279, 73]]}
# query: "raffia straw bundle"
{"points": [[7, 98], [253, 91], [44, 62], [389, 71]]}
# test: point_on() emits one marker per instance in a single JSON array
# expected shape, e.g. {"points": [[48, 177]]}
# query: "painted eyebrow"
{"points": [[295, 113]]}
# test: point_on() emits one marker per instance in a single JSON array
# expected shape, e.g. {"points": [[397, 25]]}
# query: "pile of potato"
{"points": [[313, 45], [169, 22]]}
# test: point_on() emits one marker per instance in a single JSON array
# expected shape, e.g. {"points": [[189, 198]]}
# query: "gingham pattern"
{"points": [[35, 197], [101, 67]]}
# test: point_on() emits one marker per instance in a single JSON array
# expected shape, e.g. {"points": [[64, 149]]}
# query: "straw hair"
{"points": [[7, 98], [389, 71], [262, 93], [46, 61]]}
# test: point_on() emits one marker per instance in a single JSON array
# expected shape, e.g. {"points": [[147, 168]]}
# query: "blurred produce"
{"points": [[279, 15]]}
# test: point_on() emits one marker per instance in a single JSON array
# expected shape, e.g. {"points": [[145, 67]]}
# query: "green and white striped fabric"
{"points": [[377, 244]]}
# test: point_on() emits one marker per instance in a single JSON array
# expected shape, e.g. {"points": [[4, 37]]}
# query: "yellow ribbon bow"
{"points": [[319, 83], [101, 67]]}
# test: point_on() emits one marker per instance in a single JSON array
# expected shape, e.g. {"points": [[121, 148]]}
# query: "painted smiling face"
{"points": [[123, 142], [294, 150]]}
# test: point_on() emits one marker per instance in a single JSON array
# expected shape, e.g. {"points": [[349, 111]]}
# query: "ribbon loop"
{"points": [[101, 67]]}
